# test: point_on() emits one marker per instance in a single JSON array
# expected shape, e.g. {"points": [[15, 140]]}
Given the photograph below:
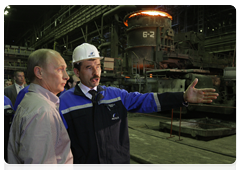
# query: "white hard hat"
{"points": [[85, 51]]}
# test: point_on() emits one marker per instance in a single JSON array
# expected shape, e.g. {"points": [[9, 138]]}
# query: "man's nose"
{"points": [[95, 71], [65, 75]]}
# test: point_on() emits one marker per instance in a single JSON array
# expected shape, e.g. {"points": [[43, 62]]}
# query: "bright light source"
{"points": [[212, 29], [5, 12], [8, 7], [148, 13], [200, 30], [152, 13]]}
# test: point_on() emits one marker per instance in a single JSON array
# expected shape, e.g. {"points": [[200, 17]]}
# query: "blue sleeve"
{"points": [[7, 103], [138, 102], [151, 102], [20, 96]]}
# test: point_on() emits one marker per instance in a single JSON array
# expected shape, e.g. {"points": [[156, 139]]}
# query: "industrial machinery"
{"points": [[143, 51], [158, 60]]}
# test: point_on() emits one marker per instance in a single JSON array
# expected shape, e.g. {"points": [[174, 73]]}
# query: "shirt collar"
{"points": [[85, 89], [46, 93], [17, 85]]}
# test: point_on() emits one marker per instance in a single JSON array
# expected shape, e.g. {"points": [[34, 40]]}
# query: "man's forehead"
{"points": [[91, 61], [19, 73], [56, 60]]}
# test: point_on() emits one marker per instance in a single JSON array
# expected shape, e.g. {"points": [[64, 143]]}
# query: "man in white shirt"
{"points": [[37, 134], [12, 91]]}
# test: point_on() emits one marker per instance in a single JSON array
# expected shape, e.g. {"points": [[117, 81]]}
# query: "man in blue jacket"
{"points": [[97, 115]]}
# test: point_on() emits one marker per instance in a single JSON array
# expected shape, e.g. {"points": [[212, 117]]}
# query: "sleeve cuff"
{"points": [[184, 102]]}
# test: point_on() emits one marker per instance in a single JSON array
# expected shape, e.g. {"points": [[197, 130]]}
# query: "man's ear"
{"points": [[38, 72], [76, 71]]}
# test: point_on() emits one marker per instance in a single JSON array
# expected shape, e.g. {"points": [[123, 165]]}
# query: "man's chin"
{"points": [[95, 84]]}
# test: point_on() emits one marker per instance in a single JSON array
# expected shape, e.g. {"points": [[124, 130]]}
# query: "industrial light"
{"points": [[6, 12], [8, 7], [149, 13], [200, 30]]}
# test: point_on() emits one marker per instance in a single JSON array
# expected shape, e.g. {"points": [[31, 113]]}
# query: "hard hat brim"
{"points": [[88, 59]]}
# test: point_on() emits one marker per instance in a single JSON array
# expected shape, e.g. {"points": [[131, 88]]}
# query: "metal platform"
{"points": [[203, 127]]}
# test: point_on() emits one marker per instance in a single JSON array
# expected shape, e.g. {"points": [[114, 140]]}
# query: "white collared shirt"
{"points": [[85, 90], [17, 87]]}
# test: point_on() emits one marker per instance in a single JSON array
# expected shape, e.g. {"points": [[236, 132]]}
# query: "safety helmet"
{"points": [[85, 51]]}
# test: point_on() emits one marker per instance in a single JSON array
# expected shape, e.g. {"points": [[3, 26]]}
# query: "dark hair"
{"points": [[77, 65], [37, 58], [69, 80], [17, 71]]}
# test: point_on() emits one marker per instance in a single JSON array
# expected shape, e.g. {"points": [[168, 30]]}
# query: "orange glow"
{"points": [[150, 13], [150, 76], [140, 66], [127, 77]]}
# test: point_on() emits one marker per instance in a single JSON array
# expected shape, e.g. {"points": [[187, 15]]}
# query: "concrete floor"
{"points": [[150, 146]]}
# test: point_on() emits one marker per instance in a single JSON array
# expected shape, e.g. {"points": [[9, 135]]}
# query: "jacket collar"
{"points": [[79, 92]]}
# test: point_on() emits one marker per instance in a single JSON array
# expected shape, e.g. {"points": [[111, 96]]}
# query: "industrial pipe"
{"points": [[116, 11]]}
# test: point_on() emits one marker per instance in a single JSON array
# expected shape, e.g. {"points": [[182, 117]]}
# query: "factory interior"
{"points": [[146, 48]]}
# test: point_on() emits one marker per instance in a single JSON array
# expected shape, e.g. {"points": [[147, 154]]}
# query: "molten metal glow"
{"points": [[150, 13]]}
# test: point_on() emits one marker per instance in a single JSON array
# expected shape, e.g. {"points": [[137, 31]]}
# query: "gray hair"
{"points": [[37, 58]]}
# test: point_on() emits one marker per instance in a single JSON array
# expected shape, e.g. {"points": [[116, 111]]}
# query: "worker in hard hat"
{"points": [[97, 115]]}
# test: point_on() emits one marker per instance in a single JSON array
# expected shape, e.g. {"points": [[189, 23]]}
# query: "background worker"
{"points": [[97, 115], [37, 134], [7, 83], [72, 81], [12, 90]]}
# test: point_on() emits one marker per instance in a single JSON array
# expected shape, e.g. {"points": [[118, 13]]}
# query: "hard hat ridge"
{"points": [[85, 51]]}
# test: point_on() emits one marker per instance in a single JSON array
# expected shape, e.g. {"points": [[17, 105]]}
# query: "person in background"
{"points": [[8, 114], [12, 90], [37, 134], [7, 83], [20, 96], [97, 115], [73, 79], [70, 84]]}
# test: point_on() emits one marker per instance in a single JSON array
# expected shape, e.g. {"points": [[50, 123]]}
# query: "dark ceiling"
{"points": [[25, 18]]}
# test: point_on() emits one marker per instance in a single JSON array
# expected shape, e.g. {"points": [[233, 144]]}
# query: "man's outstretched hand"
{"points": [[193, 95]]}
